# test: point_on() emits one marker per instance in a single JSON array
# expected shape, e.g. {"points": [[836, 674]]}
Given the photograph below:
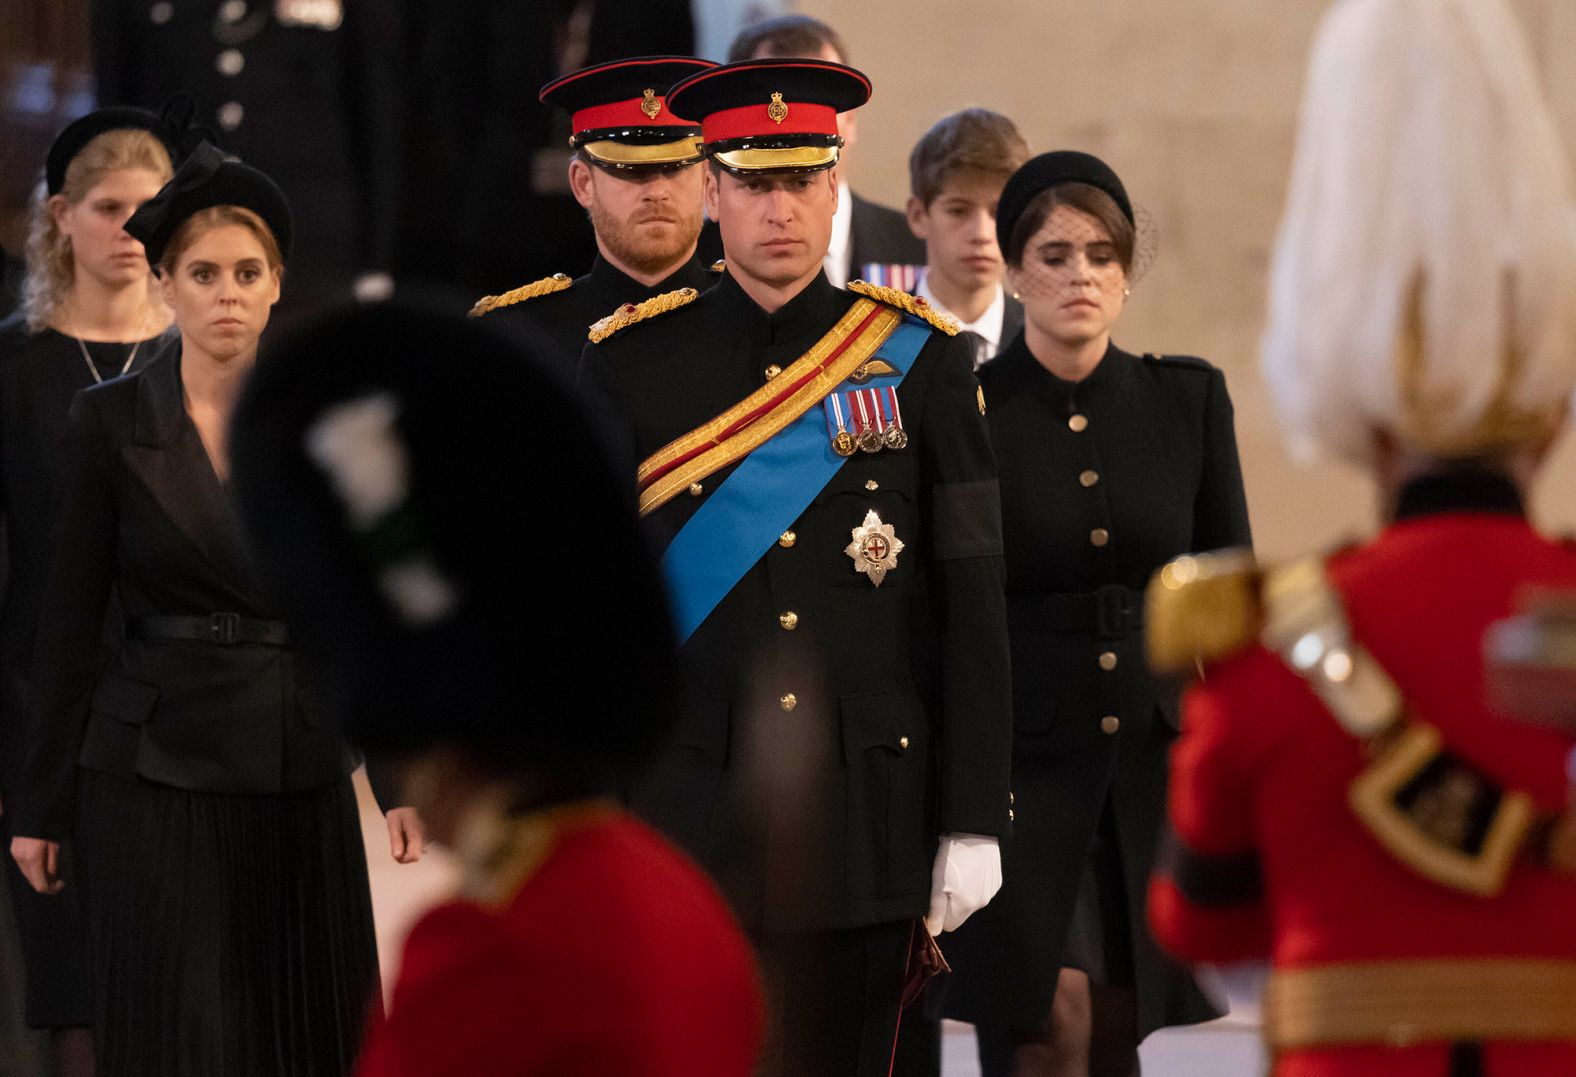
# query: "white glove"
{"points": [[966, 876]]}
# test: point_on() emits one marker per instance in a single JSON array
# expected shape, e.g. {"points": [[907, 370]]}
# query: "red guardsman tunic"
{"points": [[1272, 861], [615, 955]]}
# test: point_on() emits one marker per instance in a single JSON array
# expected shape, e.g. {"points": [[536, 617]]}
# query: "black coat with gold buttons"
{"points": [[832, 729], [1103, 481]]}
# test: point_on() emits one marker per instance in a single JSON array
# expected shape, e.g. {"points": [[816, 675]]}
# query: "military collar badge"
{"points": [[874, 548]]}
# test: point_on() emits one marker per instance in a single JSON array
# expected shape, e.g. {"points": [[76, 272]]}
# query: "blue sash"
{"points": [[766, 492]]}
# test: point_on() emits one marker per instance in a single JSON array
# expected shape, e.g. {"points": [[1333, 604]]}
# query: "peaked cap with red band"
{"points": [[771, 115], [619, 113]]}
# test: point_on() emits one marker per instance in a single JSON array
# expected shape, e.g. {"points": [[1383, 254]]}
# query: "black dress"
{"points": [[1102, 482], [222, 867], [39, 374]]}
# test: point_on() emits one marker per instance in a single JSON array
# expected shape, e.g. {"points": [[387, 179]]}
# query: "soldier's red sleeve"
{"points": [[1206, 899]]}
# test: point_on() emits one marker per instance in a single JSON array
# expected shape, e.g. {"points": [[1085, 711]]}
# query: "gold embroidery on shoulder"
{"points": [[718, 266], [1201, 608], [911, 304], [546, 286], [630, 313]]}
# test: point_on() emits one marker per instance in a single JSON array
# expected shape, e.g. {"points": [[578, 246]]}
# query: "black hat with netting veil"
{"points": [[454, 553], [1049, 170]]}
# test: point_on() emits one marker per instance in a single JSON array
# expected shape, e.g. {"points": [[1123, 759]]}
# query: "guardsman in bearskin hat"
{"points": [[635, 170], [1345, 797], [454, 635], [819, 480]]}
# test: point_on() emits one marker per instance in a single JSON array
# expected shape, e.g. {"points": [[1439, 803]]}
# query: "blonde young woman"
{"points": [[223, 874], [91, 313]]}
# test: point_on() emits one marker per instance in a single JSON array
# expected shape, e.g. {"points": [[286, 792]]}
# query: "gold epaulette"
{"points": [[1201, 608], [718, 266], [911, 304], [546, 286], [630, 313]]}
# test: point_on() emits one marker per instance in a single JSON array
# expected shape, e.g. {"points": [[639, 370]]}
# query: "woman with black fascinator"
{"points": [[218, 839]]}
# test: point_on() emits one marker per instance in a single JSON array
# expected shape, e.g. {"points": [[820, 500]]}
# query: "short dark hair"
{"points": [[974, 140], [786, 35], [1085, 199]]}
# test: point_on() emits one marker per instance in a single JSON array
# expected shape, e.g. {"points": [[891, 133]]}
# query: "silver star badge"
{"points": [[875, 548]]}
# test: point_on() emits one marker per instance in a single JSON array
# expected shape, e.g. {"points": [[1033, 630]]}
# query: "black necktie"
{"points": [[978, 344]]}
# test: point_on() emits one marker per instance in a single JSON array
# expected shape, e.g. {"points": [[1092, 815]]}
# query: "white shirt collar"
{"points": [[987, 325], [837, 255]]}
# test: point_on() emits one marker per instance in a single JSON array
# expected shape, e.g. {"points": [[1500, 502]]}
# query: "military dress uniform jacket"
{"points": [[1272, 861], [1103, 481], [141, 511], [561, 315], [892, 701]]}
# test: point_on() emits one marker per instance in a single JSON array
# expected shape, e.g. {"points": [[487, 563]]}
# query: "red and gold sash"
{"points": [[769, 410]]}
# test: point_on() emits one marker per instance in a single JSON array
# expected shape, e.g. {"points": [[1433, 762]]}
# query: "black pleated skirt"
{"points": [[230, 936]]}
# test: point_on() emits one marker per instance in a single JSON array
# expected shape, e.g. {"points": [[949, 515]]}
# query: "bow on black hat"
{"points": [[206, 179], [172, 126]]}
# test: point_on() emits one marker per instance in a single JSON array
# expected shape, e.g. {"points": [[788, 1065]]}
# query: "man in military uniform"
{"points": [[818, 477], [636, 171], [1345, 798]]}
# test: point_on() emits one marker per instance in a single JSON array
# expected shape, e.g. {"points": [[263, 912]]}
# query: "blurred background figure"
{"points": [[956, 173], [91, 310], [418, 580], [869, 241], [309, 91], [222, 868], [1111, 465], [1345, 799]]}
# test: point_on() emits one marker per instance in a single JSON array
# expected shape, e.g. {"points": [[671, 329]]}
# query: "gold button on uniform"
{"points": [[1078, 423], [788, 702], [1011, 815], [872, 484], [787, 539], [772, 371], [696, 489], [1088, 478], [1108, 661], [1110, 724], [902, 742], [1099, 536], [1010, 798], [789, 620]]}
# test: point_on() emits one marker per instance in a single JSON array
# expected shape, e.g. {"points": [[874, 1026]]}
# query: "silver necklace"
{"points": [[92, 369]]}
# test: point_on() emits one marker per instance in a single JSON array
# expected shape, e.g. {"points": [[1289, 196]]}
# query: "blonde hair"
{"points": [[51, 265], [206, 220]]}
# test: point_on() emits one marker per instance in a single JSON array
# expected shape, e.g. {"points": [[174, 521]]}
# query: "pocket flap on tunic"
{"points": [[119, 696], [890, 720]]}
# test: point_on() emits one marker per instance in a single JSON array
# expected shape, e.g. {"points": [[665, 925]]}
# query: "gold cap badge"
{"points": [[777, 111], [650, 105]]}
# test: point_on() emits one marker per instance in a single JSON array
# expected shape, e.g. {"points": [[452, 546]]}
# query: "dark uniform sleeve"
{"points": [[599, 390], [115, 54], [66, 649], [1220, 510], [963, 503], [374, 38]]}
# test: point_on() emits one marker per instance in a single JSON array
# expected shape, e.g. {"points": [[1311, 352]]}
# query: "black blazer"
{"points": [[896, 711], [881, 235], [141, 512]]}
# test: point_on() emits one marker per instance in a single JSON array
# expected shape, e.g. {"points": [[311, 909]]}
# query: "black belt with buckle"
{"points": [[1109, 612], [221, 628]]}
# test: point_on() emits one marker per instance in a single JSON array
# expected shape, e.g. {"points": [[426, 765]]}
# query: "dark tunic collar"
{"points": [[1463, 490], [1016, 368], [608, 279], [806, 316]]}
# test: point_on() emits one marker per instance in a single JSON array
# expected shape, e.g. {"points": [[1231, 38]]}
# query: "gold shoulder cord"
{"points": [[546, 286], [911, 304], [631, 313]]}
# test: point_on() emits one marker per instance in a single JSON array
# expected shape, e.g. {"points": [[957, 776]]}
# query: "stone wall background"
{"points": [[1194, 103]]}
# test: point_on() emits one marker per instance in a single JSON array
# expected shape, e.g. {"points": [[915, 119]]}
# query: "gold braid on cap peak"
{"points": [[630, 313], [546, 286], [903, 301]]}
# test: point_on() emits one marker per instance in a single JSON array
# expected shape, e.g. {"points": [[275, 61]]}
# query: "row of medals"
{"points": [[869, 440]]}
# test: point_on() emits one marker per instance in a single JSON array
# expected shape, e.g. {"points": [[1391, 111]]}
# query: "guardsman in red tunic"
{"points": [[1345, 798], [515, 673]]}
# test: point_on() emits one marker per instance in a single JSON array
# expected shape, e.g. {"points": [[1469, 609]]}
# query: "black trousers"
{"points": [[832, 1000]]}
